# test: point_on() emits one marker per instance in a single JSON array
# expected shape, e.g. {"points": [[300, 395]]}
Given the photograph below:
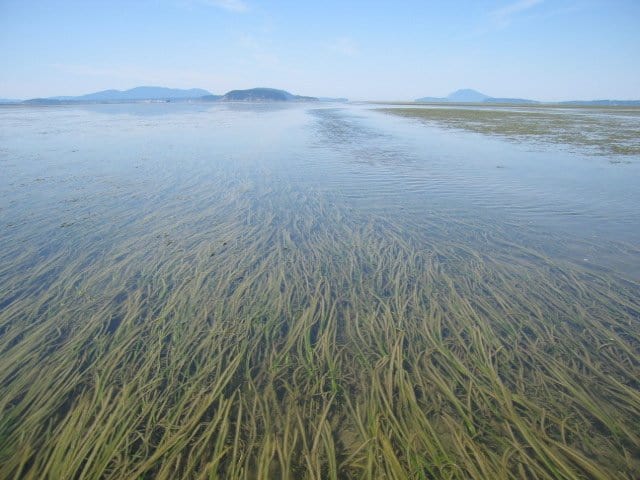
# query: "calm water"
{"points": [[71, 172], [311, 291]]}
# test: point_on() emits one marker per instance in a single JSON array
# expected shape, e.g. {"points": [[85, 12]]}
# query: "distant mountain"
{"points": [[264, 95], [5, 101], [471, 96], [138, 94], [463, 96], [162, 94], [467, 95], [43, 101]]}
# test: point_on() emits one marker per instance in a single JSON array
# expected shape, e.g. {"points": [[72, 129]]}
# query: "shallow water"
{"points": [[65, 166], [198, 229]]}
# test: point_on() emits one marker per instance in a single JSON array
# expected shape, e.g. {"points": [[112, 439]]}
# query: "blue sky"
{"points": [[541, 49]]}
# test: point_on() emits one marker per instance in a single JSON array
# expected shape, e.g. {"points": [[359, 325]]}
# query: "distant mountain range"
{"points": [[264, 95], [473, 96], [138, 93], [162, 94]]}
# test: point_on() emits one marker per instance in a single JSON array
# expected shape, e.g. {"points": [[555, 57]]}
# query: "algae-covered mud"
{"points": [[307, 292], [612, 131]]}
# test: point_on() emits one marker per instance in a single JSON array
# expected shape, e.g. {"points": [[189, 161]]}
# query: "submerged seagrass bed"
{"points": [[235, 323]]}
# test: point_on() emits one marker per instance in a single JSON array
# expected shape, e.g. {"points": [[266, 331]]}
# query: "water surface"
{"points": [[313, 291]]}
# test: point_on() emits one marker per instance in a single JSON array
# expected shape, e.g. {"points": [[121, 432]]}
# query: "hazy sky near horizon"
{"points": [[540, 49]]}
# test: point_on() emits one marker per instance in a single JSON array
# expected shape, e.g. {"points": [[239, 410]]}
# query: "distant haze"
{"points": [[529, 49]]}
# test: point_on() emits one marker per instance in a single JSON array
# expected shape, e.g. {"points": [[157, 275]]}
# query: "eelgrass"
{"points": [[613, 131], [255, 339]]}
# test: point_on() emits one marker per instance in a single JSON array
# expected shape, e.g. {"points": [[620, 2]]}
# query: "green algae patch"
{"points": [[602, 131]]}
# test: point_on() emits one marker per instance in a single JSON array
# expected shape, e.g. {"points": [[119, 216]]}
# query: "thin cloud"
{"points": [[504, 15]]}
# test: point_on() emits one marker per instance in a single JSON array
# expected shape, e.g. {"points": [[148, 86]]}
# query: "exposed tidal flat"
{"points": [[612, 131], [194, 291]]}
